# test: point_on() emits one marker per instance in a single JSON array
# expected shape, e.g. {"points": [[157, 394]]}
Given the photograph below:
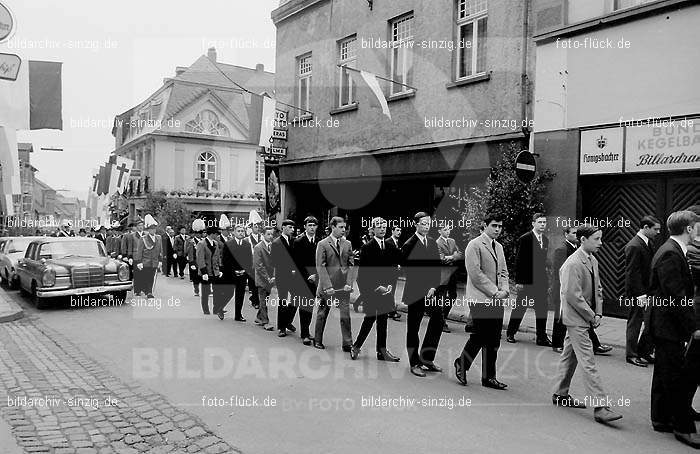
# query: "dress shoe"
{"points": [[460, 373], [354, 352], [557, 349], [417, 371], [691, 439], [282, 333], [319, 345], [385, 355], [150, 295], [306, 341], [196, 294], [566, 401], [602, 349], [649, 359], [605, 415], [511, 339], [258, 322], [268, 327], [240, 318], [182, 277], [662, 427], [493, 383], [347, 348], [637, 362], [445, 328], [221, 315], [207, 313], [431, 366], [291, 328], [544, 342]]}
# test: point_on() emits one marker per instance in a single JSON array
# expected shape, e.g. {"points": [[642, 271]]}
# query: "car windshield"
{"points": [[62, 249], [18, 245]]}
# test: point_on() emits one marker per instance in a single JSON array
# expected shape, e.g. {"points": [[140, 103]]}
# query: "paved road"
{"points": [[202, 365]]}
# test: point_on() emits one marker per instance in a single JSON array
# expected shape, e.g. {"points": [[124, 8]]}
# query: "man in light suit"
{"points": [[582, 308], [421, 263], [334, 262], [449, 257], [487, 287], [148, 255], [208, 264], [264, 275]]}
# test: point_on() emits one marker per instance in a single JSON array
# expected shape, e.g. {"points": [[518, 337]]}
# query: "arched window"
{"points": [[206, 166], [207, 122]]}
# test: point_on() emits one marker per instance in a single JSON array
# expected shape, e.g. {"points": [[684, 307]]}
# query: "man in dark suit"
{"points": [[208, 266], [285, 277], [638, 254], [672, 324], [558, 328], [102, 235], [169, 256], [179, 250], [421, 263], [304, 251], [191, 252], [236, 266], [148, 255], [531, 280], [376, 278], [254, 238], [395, 240]]}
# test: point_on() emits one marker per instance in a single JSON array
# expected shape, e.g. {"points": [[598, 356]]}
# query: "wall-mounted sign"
{"points": [[664, 148], [279, 134], [7, 23], [601, 151], [9, 66]]}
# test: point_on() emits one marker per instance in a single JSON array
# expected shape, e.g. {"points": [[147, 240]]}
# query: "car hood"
{"points": [[72, 262]]}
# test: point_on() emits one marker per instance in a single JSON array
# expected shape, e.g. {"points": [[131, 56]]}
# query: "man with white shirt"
{"points": [[285, 276], [208, 265], [264, 276], [638, 254], [256, 224], [307, 281]]}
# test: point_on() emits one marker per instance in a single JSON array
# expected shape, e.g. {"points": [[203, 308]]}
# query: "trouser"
{"points": [[448, 294], [538, 293], [204, 295], [263, 295], [138, 279], [222, 294], [578, 349], [194, 278], [324, 308], [636, 345], [306, 303], [149, 277], [559, 332], [253, 298], [485, 338], [416, 310], [181, 264], [672, 387], [285, 308], [371, 316], [239, 293]]}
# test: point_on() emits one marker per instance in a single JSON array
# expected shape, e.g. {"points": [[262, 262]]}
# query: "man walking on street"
{"points": [[264, 276], [395, 240], [208, 265], [236, 265], [179, 249], [285, 277], [198, 227], [305, 259], [148, 255], [449, 257], [255, 223]]}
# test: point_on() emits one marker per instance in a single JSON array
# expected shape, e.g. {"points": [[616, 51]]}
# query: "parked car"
{"points": [[72, 266], [12, 248]]}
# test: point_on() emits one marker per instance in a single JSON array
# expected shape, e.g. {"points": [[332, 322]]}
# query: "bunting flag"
{"points": [[45, 95], [261, 113], [120, 173], [369, 82], [267, 123]]}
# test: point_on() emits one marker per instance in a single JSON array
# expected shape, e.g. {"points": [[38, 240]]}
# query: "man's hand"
{"points": [[174, 256], [220, 274], [160, 266], [347, 288], [596, 321], [696, 335], [312, 278], [431, 292], [381, 289], [239, 273], [272, 281], [329, 291], [131, 261], [500, 294], [205, 277]]}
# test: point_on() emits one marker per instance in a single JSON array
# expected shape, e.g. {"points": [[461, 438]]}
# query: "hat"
{"points": [[224, 222], [149, 221], [254, 218], [198, 225], [66, 223]]}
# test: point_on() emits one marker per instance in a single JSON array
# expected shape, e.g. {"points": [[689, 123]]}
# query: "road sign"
{"points": [[525, 166], [9, 66]]}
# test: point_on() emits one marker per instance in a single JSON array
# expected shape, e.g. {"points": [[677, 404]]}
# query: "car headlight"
{"points": [[123, 272], [48, 279]]}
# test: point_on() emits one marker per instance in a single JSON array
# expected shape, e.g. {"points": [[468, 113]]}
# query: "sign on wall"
{"points": [[601, 151], [663, 148]]}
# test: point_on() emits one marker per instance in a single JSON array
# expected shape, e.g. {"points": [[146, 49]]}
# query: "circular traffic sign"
{"points": [[7, 23], [525, 166]]}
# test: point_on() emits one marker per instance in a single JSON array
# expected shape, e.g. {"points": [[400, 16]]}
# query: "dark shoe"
{"points": [[649, 359], [221, 315], [602, 349], [150, 295], [354, 352], [605, 415], [637, 362], [460, 373], [544, 342], [196, 294], [445, 328], [558, 349], [347, 348], [692, 440], [240, 318], [417, 371], [319, 345], [661, 427], [182, 277], [282, 333], [396, 316], [431, 366], [511, 339], [207, 313], [306, 341], [493, 384], [566, 401], [385, 355], [291, 329]]}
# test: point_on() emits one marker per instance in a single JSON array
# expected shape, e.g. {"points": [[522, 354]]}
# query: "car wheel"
{"points": [[119, 297], [39, 303]]}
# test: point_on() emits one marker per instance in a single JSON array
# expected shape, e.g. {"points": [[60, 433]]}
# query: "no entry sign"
{"points": [[525, 166]]}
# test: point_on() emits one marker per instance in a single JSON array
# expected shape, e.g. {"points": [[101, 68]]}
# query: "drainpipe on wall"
{"points": [[524, 80]]}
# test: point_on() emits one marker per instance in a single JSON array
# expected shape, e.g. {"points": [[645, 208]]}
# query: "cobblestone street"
{"points": [[57, 400]]}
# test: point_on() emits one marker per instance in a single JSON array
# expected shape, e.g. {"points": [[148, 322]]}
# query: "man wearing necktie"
{"points": [[285, 277], [531, 280], [254, 238], [582, 308], [305, 259], [237, 265]]}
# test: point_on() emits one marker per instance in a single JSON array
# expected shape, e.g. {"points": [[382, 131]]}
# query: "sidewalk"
{"points": [[611, 330], [9, 310]]}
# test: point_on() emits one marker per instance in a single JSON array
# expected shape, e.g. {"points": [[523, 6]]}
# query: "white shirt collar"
{"points": [[266, 243], [210, 241], [537, 235], [683, 246], [380, 241], [286, 237], [309, 237], [643, 237], [421, 237], [572, 244]]}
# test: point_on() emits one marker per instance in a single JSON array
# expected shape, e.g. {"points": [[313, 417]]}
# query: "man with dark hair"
{"points": [[208, 265], [421, 263], [254, 238], [285, 276], [395, 240], [148, 255], [334, 263], [582, 308], [673, 325], [487, 286], [264, 275], [236, 265], [169, 256], [449, 257], [638, 254], [531, 280], [305, 260], [179, 249], [191, 253]]}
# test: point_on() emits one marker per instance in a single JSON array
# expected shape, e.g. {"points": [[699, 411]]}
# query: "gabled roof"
{"points": [[205, 71]]}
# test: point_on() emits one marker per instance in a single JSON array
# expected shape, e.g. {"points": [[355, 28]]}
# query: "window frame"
{"points": [[475, 19], [259, 171], [350, 62], [616, 8], [395, 47], [304, 108], [199, 161]]}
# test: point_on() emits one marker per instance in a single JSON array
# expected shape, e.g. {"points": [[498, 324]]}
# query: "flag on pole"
{"points": [[120, 173], [267, 123], [369, 81], [14, 100], [45, 95]]}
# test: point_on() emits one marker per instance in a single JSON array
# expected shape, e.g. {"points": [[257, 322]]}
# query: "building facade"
{"points": [[617, 115], [464, 91], [195, 139]]}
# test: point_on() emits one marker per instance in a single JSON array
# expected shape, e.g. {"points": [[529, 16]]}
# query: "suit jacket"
{"points": [[99, 236], [671, 287], [285, 268], [531, 260], [167, 247], [577, 288], [264, 269], [252, 239], [179, 246], [207, 262], [637, 267], [334, 267], [422, 268], [560, 255], [128, 244], [487, 273], [446, 247], [304, 254], [377, 268], [236, 258], [191, 250], [149, 252]]}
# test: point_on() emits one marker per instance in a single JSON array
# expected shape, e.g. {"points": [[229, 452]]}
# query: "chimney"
{"points": [[179, 70], [259, 68], [211, 54]]}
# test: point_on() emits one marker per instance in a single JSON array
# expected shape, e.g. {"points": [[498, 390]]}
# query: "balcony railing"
{"points": [[206, 184]]}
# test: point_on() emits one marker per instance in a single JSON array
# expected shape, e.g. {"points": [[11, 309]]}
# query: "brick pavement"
{"points": [[68, 392]]}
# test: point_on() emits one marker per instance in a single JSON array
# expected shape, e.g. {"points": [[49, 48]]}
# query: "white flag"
{"points": [[9, 159], [371, 81], [268, 121], [14, 99], [120, 174]]}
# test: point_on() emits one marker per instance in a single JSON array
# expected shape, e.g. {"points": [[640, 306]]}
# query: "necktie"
{"points": [[422, 241], [381, 244], [593, 287], [493, 245]]}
